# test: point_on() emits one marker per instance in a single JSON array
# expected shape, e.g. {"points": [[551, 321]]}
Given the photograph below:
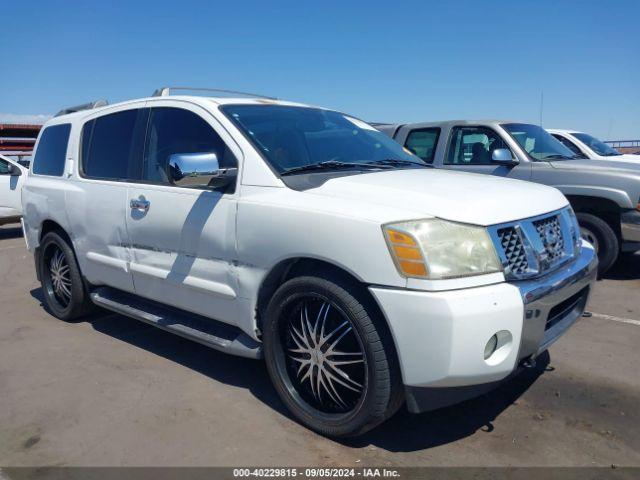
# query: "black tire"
{"points": [[604, 239], [69, 303], [382, 392]]}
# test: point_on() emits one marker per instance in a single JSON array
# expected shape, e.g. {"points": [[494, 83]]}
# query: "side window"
{"points": [[112, 145], [567, 143], [175, 130], [4, 167], [473, 146], [423, 143], [52, 150]]}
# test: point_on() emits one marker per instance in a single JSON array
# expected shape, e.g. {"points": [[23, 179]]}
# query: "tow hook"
{"points": [[529, 362]]}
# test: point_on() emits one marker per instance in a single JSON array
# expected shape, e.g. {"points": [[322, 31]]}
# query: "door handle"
{"points": [[141, 204]]}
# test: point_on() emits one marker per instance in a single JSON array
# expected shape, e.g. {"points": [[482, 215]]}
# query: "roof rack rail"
{"points": [[84, 106], [166, 91]]}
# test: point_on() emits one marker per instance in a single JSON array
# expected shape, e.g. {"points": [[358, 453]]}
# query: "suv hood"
{"points": [[456, 196]]}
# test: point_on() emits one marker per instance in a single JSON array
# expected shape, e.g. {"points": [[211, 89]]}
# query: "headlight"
{"points": [[439, 249]]}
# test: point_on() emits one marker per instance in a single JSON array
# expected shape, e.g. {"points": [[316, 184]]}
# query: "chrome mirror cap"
{"points": [[193, 169]]}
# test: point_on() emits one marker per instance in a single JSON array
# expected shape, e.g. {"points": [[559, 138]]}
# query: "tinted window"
{"points": [[4, 167], [52, 150], [473, 146], [290, 137], [567, 143], [112, 145], [174, 130], [423, 143]]}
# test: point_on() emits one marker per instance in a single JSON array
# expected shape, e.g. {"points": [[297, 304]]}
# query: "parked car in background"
{"points": [[590, 147], [11, 179], [270, 229], [604, 195]]}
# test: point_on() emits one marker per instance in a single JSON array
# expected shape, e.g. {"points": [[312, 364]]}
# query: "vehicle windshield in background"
{"points": [[596, 145], [301, 139], [538, 143]]}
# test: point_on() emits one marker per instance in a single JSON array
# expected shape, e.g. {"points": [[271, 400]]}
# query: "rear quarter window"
{"points": [[52, 150], [423, 143]]}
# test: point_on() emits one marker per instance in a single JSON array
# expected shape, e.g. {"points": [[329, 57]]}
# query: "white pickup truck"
{"points": [[303, 236], [590, 147], [11, 178]]}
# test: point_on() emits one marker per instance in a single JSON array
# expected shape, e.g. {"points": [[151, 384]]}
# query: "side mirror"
{"points": [[502, 156], [14, 171], [199, 170]]}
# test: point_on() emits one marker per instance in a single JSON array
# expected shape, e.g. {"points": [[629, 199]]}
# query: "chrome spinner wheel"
{"points": [[325, 358], [58, 275]]}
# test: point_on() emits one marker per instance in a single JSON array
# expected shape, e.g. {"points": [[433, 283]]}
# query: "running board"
{"points": [[206, 331]]}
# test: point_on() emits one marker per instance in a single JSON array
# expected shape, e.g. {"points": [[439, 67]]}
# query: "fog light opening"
{"points": [[490, 347]]}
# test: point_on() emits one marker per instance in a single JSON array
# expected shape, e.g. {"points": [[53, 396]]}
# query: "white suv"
{"points": [[302, 235]]}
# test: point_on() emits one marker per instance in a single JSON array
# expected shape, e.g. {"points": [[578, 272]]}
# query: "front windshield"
{"points": [[596, 145], [537, 142], [293, 137]]}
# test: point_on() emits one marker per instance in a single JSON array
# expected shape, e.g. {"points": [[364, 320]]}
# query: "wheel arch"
{"points": [[298, 266], [603, 208], [46, 227]]}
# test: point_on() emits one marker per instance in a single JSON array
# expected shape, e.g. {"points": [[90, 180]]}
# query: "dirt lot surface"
{"points": [[113, 391]]}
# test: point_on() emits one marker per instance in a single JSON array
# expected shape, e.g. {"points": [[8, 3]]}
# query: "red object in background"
{"points": [[21, 137]]}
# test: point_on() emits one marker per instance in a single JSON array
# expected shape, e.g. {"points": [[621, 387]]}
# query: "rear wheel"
{"points": [[62, 284], [329, 362], [605, 241]]}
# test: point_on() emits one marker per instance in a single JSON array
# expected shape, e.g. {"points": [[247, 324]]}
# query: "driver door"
{"points": [[470, 149], [183, 238]]}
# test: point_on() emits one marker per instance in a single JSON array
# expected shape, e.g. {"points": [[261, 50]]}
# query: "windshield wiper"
{"points": [[557, 156], [328, 165], [395, 162], [611, 154]]}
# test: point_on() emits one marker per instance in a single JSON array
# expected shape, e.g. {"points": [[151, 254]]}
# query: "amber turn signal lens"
{"points": [[413, 269], [401, 238], [406, 254]]}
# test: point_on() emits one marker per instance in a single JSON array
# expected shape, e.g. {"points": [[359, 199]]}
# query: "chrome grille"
{"points": [[535, 246], [514, 250]]}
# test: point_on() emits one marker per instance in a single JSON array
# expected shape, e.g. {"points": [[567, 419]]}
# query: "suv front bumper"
{"points": [[440, 337]]}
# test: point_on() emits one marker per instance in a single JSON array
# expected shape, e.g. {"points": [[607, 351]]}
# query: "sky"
{"points": [[380, 61]]}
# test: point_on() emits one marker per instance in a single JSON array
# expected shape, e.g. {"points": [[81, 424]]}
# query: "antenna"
{"points": [[541, 105]]}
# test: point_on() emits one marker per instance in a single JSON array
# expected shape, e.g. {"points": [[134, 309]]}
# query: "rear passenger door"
{"points": [[111, 148], [183, 238], [470, 148]]}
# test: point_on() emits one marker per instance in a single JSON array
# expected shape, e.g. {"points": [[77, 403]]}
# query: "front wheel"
{"points": [[330, 363], [599, 234]]}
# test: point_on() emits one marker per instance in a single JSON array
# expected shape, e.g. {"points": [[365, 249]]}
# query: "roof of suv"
{"points": [[198, 99]]}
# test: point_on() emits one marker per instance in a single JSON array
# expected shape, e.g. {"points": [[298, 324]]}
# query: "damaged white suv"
{"points": [[303, 236]]}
